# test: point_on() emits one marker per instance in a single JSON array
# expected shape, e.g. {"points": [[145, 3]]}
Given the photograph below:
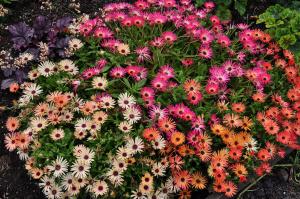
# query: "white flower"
{"points": [[75, 44], [57, 134], [59, 167], [125, 126], [80, 169], [38, 123], [120, 165], [100, 188], [115, 176], [138, 195], [83, 124], [158, 169], [132, 115], [32, 90], [252, 145], [87, 155], [55, 192], [107, 102], [46, 68], [159, 143], [46, 183], [124, 153], [136, 145], [67, 181], [125, 100], [100, 83], [66, 65]]}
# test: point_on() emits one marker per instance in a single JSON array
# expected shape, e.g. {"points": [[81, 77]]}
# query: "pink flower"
{"points": [[159, 84], [205, 36], [167, 71], [157, 42], [147, 92], [143, 54], [141, 4], [212, 88], [127, 22], [169, 3], [194, 97], [169, 37], [117, 72], [157, 18], [187, 62], [209, 5], [156, 112], [138, 21], [215, 19], [198, 124], [103, 33], [205, 52], [223, 40]]}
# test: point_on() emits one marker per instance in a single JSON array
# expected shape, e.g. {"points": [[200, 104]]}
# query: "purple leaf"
{"points": [[20, 76], [6, 83], [63, 23], [21, 35], [41, 26], [8, 71]]}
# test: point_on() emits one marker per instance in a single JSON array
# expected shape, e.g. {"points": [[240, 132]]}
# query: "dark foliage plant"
{"points": [[27, 39]]}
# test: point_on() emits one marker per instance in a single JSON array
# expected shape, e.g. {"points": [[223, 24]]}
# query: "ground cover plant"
{"points": [[161, 99]]}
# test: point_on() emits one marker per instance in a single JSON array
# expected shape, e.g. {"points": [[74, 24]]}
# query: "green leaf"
{"points": [[287, 40], [223, 13], [199, 3], [240, 6]]}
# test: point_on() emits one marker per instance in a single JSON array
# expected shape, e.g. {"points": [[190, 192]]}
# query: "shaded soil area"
{"points": [[14, 181]]}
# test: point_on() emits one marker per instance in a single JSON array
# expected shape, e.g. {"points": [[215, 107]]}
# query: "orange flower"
{"points": [[218, 187], [191, 86], [235, 153], [182, 179], [240, 170], [166, 124], [226, 135], [198, 181], [238, 107], [217, 129], [263, 155], [232, 120], [177, 138], [236, 141], [259, 97], [230, 189], [36, 173], [185, 194], [247, 123], [41, 109], [14, 87], [12, 124], [23, 141], [222, 105], [219, 175], [271, 127], [185, 150], [151, 134], [204, 154], [204, 139], [220, 159], [60, 100], [88, 108]]}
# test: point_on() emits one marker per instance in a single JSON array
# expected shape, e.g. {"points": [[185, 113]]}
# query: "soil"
{"points": [[14, 181]]}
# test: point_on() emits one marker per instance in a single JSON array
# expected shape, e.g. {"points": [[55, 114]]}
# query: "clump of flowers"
{"points": [[163, 99]]}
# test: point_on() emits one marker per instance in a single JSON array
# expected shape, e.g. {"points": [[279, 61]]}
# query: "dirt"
{"points": [[15, 183]]}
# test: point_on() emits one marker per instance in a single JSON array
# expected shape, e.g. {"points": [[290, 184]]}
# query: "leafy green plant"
{"points": [[223, 7], [283, 24], [6, 1]]}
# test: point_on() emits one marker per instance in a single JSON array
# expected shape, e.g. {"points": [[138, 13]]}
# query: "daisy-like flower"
{"points": [[183, 179], [80, 169], [120, 165], [46, 183], [55, 192], [136, 145], [143, 54], [32, 90], [75, 44], [123, 49], [83, 124], [132, 115], [66, 65], [57, 134], [100, 188], [205, 52], [171, 185], [138, 195], [86, 155], [157, 113], [100, 83], [12, 124], [125, 126], [124, 153], [107, 102], [46, 68], [158, 169], [38, 124], [67, 181], [100, 117], [59, 167], [33, 74], [159, 143], [125, 100], [115, 176]]}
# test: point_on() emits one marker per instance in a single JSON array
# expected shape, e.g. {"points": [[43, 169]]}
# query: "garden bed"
{"points": [[15, 183]]}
